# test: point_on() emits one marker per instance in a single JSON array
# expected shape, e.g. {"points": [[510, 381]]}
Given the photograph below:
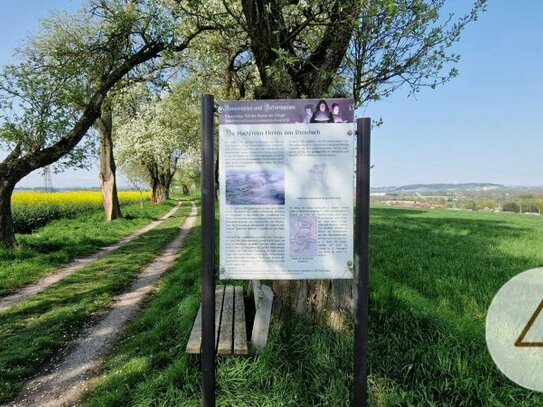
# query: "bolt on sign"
{"points": [[286, 176]]}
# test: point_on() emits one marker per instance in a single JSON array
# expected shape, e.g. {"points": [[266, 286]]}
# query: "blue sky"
{"points": [[486, 125]]}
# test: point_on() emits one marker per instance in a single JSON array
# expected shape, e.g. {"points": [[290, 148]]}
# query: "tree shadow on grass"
{"points": [[381, 211], [453, 259], [32, 332], [432, 280], [45, 251]]}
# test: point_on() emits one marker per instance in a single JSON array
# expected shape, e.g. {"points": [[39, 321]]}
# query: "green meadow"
{"points": [[433, 276], [62, 240]]}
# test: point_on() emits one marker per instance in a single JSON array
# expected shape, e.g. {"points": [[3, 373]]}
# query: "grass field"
{"points": [[433, 275], [32, 332], [64, 239]]}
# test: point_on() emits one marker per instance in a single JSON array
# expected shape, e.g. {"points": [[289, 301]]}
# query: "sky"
{"points": [[486, 125]]}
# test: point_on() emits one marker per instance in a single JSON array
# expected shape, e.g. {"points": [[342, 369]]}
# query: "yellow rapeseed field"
{"points": [[69, 198], [34, 209]]}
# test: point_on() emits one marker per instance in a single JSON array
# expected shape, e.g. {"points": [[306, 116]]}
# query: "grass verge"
{"points": [[433, 275], [33, 331], [62, 240]]}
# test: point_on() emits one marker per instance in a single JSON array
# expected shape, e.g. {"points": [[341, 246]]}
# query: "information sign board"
{"points": [[286, 171]]}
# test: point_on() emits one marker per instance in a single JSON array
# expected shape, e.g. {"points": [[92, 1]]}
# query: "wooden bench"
{"points": [[230, 323]]}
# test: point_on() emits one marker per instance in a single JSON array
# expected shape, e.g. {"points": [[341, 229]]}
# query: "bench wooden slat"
{"points": [[195, 340], [230, 324], [240, 332], [219, 299], [227, 322]]}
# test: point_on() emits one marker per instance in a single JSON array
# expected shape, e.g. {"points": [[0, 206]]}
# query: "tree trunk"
{"points": [[108, 179], [154, 191], [7, 232], [329, 302], [158, 192], [167, 185], [163, 188], [323, 301], [186, 190], [165, 180]]}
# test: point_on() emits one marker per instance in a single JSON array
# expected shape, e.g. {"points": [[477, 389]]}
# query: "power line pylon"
{"points": [[47, 181]]}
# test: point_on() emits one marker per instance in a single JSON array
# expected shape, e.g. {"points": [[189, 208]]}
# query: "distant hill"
{"points": [[470, 186]]}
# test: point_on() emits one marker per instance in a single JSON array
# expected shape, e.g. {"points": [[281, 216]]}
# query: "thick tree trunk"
{"points": [[329, 302], [167, 186], [154, 191], [163, 187], [186, 190], [108, 178], [323, 301], [158, 192], [165, 180], [7, 232]]}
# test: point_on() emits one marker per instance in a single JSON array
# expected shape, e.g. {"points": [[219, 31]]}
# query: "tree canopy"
{"points": [[240, 49]]}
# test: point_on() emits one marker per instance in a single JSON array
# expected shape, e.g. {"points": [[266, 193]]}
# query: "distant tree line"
{"points": [[516, 204]]}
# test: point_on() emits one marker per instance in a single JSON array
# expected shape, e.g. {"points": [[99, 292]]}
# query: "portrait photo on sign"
{"points": [[327, 111], [255, 187]]}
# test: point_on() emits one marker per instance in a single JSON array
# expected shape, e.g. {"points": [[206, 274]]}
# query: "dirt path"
{"points": [[68, 380], [75, 265]]}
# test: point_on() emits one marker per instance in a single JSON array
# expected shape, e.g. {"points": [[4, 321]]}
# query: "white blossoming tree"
{"points": [[157, 138]]}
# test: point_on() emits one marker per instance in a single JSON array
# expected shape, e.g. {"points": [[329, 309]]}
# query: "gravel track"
{"points": [[67, 380]]}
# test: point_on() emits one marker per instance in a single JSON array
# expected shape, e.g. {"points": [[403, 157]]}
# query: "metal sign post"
{"points": [[360, 351], [208, 252]]}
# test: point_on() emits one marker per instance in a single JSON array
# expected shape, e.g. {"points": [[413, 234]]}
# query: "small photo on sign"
{"points": [[303, 236], [325, 112], [255, 187]]}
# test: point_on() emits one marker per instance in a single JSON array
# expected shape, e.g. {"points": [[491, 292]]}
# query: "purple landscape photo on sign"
{"points": [[284, 111]]}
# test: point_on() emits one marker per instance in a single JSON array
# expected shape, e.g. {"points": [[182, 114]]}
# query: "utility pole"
{"points": [[47, 181]]}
